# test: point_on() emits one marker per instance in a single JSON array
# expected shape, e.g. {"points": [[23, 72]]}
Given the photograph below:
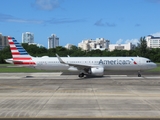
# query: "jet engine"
{"points": [[72, 69], [97, 71]]}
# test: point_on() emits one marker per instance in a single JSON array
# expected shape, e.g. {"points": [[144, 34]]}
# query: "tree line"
{"points": [[33, 50]]}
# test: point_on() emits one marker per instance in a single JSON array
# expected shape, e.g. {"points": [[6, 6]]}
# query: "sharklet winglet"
{"points": [[60, 60]]}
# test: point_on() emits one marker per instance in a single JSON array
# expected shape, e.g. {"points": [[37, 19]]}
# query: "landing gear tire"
{"points": [[81, 75], [139, 74]]}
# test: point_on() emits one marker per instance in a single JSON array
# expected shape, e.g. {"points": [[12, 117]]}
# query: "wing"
{"points": [[78, 66]]}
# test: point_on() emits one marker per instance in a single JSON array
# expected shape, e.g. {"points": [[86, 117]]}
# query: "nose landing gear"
{"points": [[139, 74]]}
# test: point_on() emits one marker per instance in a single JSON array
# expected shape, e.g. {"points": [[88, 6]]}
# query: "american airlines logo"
{"points": [[133, 61], [114, 62]]}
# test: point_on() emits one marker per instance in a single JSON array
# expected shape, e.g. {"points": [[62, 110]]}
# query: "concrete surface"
{"points": [[47, 95]]}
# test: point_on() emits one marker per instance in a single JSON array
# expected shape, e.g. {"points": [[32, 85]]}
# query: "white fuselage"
{"points": [[108, 63]]}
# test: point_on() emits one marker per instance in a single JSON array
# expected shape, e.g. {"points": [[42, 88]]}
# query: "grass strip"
{"points": [[13, 68]]}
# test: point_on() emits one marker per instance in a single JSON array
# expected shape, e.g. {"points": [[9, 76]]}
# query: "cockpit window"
{"points": [[148, 61]]}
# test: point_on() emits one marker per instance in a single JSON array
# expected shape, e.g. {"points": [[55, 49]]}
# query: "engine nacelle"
{"points": [[72, 69], [98, 71]]}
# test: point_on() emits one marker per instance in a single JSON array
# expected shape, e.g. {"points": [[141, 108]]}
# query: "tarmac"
{"points": [[54, 95]]}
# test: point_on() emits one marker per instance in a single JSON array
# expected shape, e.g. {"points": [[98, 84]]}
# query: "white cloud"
{"points": [[103, 24], [119, 41], [133, 41], [25, 21], [47, 4], [10, 18], [157, 34]]}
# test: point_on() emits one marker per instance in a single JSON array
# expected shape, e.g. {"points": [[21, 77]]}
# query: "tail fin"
{"points": [[19, 54]]}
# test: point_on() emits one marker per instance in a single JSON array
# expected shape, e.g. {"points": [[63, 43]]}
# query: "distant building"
{"points": [[68, 46], [128, 46], [53, 41], [27, 37], [153, 42], [99, 43], [3, 41]]}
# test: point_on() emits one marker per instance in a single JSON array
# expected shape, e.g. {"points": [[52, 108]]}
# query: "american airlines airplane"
{"points": [[93, 66]]}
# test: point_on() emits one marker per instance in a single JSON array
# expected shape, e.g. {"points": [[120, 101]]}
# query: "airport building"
{"points": [[99, 43], [153, 42], [3, 41], [128, 46], [53, 41], [27, 37]]}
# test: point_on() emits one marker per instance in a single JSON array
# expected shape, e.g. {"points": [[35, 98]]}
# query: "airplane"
{"points": [[92, 66]]}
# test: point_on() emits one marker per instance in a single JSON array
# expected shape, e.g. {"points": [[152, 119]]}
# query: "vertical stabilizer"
{"points": [[19, 54]]}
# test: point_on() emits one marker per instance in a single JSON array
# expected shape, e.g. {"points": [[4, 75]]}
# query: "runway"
{"points": [[53, 95]]}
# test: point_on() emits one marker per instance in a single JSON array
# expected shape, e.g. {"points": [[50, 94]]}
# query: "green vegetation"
{"points": [[7, 68], [3, 65], [140, 50], [156, 69], [17, 69]]}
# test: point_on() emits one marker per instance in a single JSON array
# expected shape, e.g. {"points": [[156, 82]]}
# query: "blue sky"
{"points": [[119, 21]]}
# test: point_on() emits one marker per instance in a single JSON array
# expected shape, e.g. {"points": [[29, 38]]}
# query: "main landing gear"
{"points": [[81, 75], [139, 74]]}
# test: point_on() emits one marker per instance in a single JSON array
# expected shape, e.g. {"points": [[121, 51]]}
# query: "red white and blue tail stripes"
{"points": [[19, 54]]}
